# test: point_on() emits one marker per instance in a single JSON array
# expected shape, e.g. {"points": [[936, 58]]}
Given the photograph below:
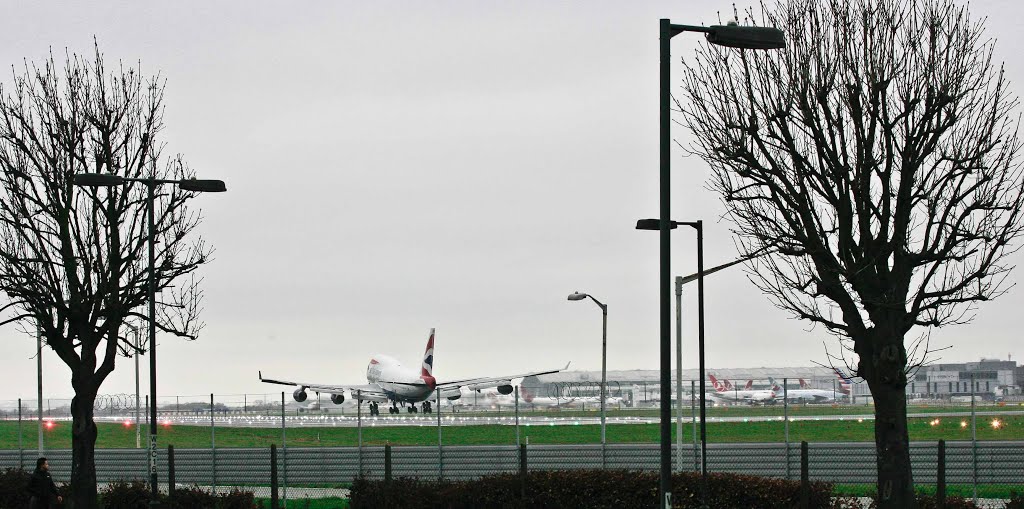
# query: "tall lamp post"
{"points": [[194, 185], [728, 35], [604, 360]]}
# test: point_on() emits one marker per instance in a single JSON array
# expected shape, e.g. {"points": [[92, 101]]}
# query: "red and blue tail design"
{"points": [[845, 381], [428, 357]]}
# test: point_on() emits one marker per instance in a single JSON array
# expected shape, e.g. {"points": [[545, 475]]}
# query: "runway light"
{"points": [[996, 423], [50, 424], [934, 422], [127, 423], [167, 423], [963, 424]]}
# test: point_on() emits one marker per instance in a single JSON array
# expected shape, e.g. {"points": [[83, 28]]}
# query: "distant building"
{"points": [[993, 379]]}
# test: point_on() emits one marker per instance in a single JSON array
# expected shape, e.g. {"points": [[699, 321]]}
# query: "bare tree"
{"points": [[878, 156], [74, 260]]}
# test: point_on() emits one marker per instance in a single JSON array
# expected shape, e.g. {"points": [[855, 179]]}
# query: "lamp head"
{"points": [[578, 296], [746, 37], [97, 180], [653, 224], [202, 186]]}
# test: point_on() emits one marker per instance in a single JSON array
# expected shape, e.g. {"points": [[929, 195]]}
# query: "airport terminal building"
{"points": [[992, 380]]}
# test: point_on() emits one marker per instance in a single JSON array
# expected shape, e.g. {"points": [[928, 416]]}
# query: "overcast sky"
{"points": [[397, 166]]}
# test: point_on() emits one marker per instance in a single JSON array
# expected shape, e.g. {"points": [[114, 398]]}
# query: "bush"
{"points": [[13, 486], [1016, 501], [586, 488], [135, 495], [193, 496], [125, 495]]}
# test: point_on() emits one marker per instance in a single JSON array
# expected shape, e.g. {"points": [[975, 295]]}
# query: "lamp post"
{"points": [[654, 224], [39, 384], [732, 36], [604, 361], [194, 185]]}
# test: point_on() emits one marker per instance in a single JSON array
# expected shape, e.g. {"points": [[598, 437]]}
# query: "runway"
{"points": [[330, 421]]}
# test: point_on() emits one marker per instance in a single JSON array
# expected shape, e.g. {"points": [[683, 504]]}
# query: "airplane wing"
{"points": [[362, 392], [494, 381]]}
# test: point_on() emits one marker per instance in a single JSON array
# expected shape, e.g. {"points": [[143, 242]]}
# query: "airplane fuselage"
{"points": [[401, 384]]}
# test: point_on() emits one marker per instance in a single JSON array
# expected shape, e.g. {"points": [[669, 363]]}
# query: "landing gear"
{"points": [[374, 409], [411, 409], [426, 407], [393, 409]]}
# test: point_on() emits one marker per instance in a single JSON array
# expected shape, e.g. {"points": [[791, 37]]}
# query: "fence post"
{"points": [[213, 446], [974, 445], [284, 454], [940, 488], [273, 476], [387, 466], [440, 452], [805, 484], [785, 420], [21, 452], [693, 415], [170, 471], [522, 472]]}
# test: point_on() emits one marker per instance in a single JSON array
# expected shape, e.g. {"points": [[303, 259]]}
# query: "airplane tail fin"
{"points": [[428, 357], [845, 382], [526, 394], [803, 384], [749, 385], [719, 386]]}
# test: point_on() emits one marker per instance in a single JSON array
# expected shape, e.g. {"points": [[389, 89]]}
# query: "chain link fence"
{"points": [[325, 471]]}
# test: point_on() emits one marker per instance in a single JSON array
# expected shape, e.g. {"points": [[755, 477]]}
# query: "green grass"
{"points": [[113, 435], [309, 503], [961, 490]]}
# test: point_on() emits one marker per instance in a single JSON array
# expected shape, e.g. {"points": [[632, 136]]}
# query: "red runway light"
{"points": [[127, 423], [49, 424]]}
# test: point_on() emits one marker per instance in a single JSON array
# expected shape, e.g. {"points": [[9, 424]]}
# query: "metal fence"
{"points": [[323, 471]]}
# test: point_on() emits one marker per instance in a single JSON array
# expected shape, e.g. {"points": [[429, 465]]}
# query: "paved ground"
{"points": [[293, 421]]}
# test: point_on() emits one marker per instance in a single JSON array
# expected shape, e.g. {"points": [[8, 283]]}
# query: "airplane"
{"points": [[544, 401], [804, 393], [845, 382], [390, 381], [725, 390]]}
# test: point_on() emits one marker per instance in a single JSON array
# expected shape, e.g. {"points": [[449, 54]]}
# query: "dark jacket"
{"points": [[43, 490]]}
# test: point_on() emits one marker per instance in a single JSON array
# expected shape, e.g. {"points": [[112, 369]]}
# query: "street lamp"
{"points": [[108, 180], [652, 224], [604, 360], [733, 36]]}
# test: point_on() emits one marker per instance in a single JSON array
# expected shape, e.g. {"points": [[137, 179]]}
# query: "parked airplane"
{"points": [[544, 401], [724, 390], [804, 393], [845, 382], [390, 381]]}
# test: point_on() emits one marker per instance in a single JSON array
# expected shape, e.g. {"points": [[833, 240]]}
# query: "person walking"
{"points": [[41, 487]]}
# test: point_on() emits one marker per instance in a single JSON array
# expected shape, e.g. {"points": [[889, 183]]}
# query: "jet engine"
{"points": [[452, 394], [337, 399], [300, 394], [505, 389]]}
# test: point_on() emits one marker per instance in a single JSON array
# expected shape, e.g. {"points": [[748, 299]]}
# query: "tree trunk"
{"points": [[882, 365], [83, 449]]}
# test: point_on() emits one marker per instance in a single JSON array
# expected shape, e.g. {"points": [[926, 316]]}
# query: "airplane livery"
{"points": [[391, 382]]}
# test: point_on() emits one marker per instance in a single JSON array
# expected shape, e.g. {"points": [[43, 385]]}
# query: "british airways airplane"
{"points": [[390, 381]]}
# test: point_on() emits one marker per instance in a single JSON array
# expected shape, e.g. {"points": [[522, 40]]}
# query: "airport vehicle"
{"points": [[391, 382], [725, 390]]}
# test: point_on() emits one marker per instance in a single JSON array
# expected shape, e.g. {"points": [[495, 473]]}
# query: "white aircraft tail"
{"points": [[428, 357]]}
